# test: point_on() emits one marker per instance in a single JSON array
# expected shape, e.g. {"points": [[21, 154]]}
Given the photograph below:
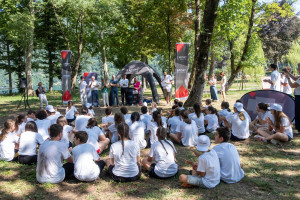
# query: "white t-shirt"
{"points": [[165, 163], [7, 146], [231, 171], [49, 165], [152, 126], [286, 123], [209, 163], [65, 139], [43, 126], [93, 134], [146, 118], [297, 89], [29, 119], [91, 111], [173, 122], [224, 113], [82, 85], [212, 122], [81, 122], [126, 164], [166, 84], [199, 121], [275, 79], [189, 133], [287, 89], [127, 119], [85, 169], [239, 128], [108, 119], [213, 81], [93, 85], [28, 142], [124, 83], [21, 128], [137, 133], [70, 114], [263, 116], [112, 128], [247, 116], [52, 119], [223, 82]]}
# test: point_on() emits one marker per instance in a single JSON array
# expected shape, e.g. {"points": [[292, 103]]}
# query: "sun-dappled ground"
{"points": [[271, 172]]}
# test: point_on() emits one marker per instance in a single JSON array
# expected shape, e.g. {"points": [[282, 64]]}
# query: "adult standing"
{"points": [[213, 90], [104, 91], [223, 85], [295, 85], [167, 86], [286, 88], [94, 85], [124, 87], [42, 95], [137, 89], [82, 88], [275, 78], [114, 84]]}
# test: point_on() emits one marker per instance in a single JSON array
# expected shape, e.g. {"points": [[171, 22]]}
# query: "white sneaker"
{"points": [[259, 137]]}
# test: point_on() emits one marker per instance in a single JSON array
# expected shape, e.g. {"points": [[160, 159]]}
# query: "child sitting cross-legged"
{"points": [[87, 163], [205, 173]]}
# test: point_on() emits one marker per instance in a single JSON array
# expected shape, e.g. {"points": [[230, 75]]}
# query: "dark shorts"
{"points": [[28, 160], [123, 179], [234, 138], [181, 143], [71, 120], [154, 175], [289, 138]]}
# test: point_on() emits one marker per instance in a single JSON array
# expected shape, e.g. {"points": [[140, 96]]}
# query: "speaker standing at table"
{"points": [[124, 87]]}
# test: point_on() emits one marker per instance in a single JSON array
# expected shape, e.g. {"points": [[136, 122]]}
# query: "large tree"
{"points": [[207, 28]]}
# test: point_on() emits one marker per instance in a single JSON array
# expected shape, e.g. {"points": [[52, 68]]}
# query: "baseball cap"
{"points": [[276, 107], [239, 106], [50, 108], [203, 143], [145, 104]]}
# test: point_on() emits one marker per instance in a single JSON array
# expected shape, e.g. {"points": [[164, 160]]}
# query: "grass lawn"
{"points": [[271, 172]]}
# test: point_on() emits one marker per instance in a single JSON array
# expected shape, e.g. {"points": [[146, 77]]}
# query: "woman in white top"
{"points": [[71, 112], [112, 129], [279, 127], [211, 119], [262, 114], [198, 117], [163, 151], [124, 157], [68, 136], [238, 123], [28, 143], [137, 130], [223, 84], [96, 137], [8, 141], [213, 90], [187, 131]]}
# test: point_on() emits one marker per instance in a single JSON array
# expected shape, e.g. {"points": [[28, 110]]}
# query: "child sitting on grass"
{"points": [[211, 119], [207, 103], [231, 171], [205, 173], [180, 105], [8, 141]]}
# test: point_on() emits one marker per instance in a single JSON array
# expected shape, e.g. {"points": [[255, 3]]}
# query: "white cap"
{"points": [[88, 105], [203, 143], [276, 107], [239, 106], [50, 108], [145, 104]]}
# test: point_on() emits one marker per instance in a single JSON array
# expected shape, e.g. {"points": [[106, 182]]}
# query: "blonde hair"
{"points": [[241, 116], [7, 125]]}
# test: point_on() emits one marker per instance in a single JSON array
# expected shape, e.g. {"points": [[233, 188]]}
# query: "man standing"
{"points": [[114, 90], [286, 88], [42, 95], [275, 78], [167, 86], [124, 87], [82, 89], [94, 85]]}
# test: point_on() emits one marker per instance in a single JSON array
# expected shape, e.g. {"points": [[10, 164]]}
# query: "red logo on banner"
{"points": [[179, 47], [181, 92], [85, 74], [67, 96], [64, 54], [252, 94]]}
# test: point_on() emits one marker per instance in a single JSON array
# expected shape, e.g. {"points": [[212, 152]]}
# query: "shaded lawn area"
{"points": [[271, 172]]}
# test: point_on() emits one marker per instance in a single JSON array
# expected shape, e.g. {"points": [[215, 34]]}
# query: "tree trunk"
{"points": [[243, 57], [9, 67], [196, 47], [103, 58], [169, 42], [51, 69], [29, 50], [232, 67], [212, 64], [208, 23], [79, 52]]}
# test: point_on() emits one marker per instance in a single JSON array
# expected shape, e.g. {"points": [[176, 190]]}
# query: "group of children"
{"points": [[79, 140]]}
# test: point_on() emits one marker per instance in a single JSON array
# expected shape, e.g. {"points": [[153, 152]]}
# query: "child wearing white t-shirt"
{"points": [[96, 137], [87, 163], [224, 112], [28, 142], [127, 116], [145, 117], [163, 151], [20, 124], [174, 121], [82, 120], [137, 130], [231, 171], [71, 112], [211, 119], [205, 173], [50, 168], [91, 112], [43, 124], [262, 114], [68, 134], [153, 126], [30, 116], [8, 141], [124, 157], [108, 119], [198, 117], [112, 129]]}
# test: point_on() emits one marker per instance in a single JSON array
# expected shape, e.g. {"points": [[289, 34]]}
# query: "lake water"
{"points": [[15, 90]]}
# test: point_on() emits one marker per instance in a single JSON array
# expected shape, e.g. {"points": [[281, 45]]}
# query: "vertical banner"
{"points": [[87, 78], [66, 56], [181, 71]]}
